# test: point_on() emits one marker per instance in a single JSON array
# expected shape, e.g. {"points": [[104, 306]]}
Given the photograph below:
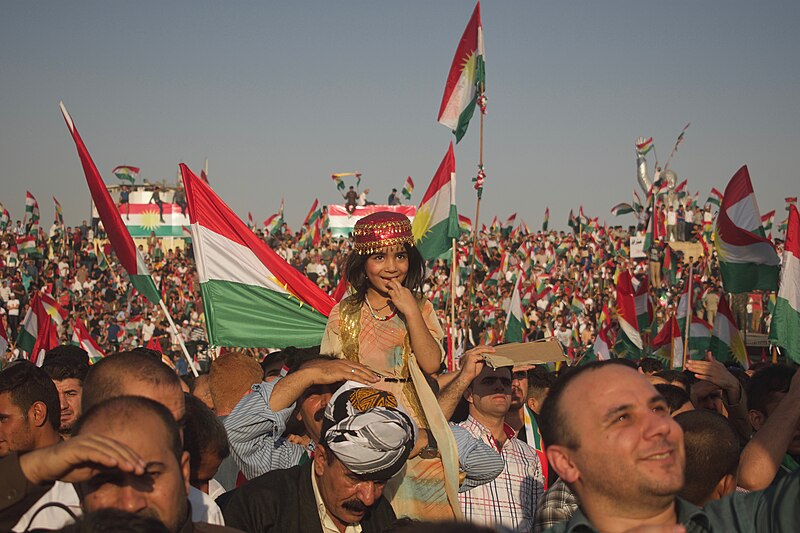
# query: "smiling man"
{"points": [[612, 440]]}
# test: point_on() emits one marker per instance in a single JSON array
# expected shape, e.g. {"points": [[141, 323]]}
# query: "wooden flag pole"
{"points": [[479, 186], [180, 338], [452, 361], [688, 316]]}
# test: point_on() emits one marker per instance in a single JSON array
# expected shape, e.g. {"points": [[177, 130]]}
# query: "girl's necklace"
{"points": [[375, 315]]}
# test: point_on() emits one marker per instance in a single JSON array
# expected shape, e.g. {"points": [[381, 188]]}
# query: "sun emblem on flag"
{"points": [[422, 222], [150, 219]]}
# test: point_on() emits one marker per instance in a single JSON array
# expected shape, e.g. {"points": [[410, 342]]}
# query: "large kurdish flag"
{"points": [[252, 298], [436, 222], [466, 77], [120, 239], [141, 219], [726, 342], [785, 326], [747, 259]]}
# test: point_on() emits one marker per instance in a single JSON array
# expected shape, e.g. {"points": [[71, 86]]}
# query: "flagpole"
{"points": [[452, 361], [479, 187], [688, 315], [178, 335]]}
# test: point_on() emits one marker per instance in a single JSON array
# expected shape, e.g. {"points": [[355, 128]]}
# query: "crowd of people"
{"points": [[397, 421]]}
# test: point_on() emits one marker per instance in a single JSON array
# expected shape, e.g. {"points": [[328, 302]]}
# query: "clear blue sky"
{"points": [[280, 96]]}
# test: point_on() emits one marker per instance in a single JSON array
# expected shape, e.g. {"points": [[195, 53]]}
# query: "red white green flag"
{"points": [[82, 338], [747, 259], [126, 173], [669, 343], [38, 332], [436, 222], [466, 80], [121, 241], [626, 311], [252, 298], [785, 325], [726, 342], [408, 188], [715, 197], [515, 321]]}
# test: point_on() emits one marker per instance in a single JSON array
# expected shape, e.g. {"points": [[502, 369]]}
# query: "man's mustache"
{"points": [[357, 506]]}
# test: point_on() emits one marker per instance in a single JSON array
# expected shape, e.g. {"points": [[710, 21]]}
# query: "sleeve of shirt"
{"points": [[557, 505], [17, 494], [254, 433], [478, 461], [771, 510], [331, 341]]}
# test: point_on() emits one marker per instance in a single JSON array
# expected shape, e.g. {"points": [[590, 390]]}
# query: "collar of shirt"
{"points": [[687, 514], [476, 427], [325, 519]]}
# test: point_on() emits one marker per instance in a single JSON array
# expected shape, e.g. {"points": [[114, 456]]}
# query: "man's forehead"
{"points": [[598, 389], [502, 372]]}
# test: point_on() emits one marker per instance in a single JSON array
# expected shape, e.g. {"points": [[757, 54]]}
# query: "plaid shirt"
{"points": [[558, 505], [510, 499]]}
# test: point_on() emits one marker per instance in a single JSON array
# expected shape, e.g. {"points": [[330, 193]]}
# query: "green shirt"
{"points": [[771, 510]]}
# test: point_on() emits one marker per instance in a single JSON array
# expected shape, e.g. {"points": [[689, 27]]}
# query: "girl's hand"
{"points": [[402, 298]]}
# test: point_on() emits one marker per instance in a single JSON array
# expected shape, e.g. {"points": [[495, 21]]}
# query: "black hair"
{"points": [[355, 272], [110, 519], [66, 365], [712, 452], [124, 407], [540, 379], [552, 422], [765, 383], [74, 353], [676, 375], [651, 365], [676, 397], [27, 384], [204, 433]]}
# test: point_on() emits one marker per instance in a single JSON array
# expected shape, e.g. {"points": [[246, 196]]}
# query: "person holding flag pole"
{"points": [[118, 234]]}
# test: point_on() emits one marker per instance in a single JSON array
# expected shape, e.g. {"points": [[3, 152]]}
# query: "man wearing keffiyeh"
{"points": [[366, 439]]}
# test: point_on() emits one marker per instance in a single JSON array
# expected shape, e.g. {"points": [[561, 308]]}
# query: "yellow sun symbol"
{"points": [[150, 220], [422, 222]]}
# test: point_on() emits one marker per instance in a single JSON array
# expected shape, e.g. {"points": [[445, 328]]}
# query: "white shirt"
{"points": [[324, 518], [204, 509], [52, 517]]}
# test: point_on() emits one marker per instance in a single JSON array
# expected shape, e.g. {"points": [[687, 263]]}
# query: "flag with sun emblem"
{"points": [[436, 222], [466, 79]]}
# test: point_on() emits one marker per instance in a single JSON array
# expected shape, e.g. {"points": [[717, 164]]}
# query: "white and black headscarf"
{"points": [[368, 432]]}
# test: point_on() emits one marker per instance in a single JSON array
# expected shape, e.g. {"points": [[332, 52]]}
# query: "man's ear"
{"points": [[185, 470], [561, 460], [725, 486], [756, 418], [38, 414], [468, 395], [320, 460]]}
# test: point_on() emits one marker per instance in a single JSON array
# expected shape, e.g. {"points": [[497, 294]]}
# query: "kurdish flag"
{"points": [[53, 309], [515, 322], [747, 259], [31, 207], [252, 298], [38, 333], [81, 337], [121, 241], [622, 209], [26, 245], [785, 327], [642, 148], [466, 80], [465, 224], [408, 188], [436, 222], [715, 197], [767, 220], [313, 213], [726, 343], [669, 343], [126, 174], [5, 218], [626, 311], [59, 212], [578, 306]]}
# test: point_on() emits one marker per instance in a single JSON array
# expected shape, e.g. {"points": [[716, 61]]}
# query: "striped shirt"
{"points": [[510, 499]]}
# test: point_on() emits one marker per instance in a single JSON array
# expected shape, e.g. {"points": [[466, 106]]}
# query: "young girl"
{"points": [[387, 325]]}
